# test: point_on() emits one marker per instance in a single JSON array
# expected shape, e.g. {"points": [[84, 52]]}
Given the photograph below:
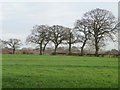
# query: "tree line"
{"points": [[95, 26]]}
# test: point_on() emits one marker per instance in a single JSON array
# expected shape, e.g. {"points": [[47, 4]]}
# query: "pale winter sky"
{"points": [[19, 18]]}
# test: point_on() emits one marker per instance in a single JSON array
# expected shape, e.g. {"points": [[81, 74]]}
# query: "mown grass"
{"points": [[35, 71]]}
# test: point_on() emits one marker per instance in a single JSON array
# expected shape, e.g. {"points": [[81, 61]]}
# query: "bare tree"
{"points": [[102, 24], [39, 36], [58, 35], [71, 38], [3, 44], [14, 44], [82, 29], [47, 39]]}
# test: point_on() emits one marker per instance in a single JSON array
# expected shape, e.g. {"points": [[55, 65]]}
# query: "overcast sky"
{"points": [[19, 18]]}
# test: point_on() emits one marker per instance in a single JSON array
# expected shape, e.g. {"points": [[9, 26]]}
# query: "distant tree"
{"points": [[71, 38], [75, 48], [102, 24], [114, 51], [83, 34], [14, 44], [58, 35], [39, 36], [3, 44], [90, 45]]}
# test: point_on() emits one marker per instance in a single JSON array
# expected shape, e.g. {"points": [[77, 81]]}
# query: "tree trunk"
{"points": [[40, 49], [70, 43], [13, 50], [55, 49], [96, 51], [83, 47], [82, 51], [96, 48], [69, 49], [44, 48]]}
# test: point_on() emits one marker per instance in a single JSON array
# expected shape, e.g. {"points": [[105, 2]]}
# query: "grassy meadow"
{"points": [[35, 71]]}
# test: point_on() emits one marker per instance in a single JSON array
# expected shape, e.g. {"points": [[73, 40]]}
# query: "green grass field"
{"points": [[34, 71]]}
